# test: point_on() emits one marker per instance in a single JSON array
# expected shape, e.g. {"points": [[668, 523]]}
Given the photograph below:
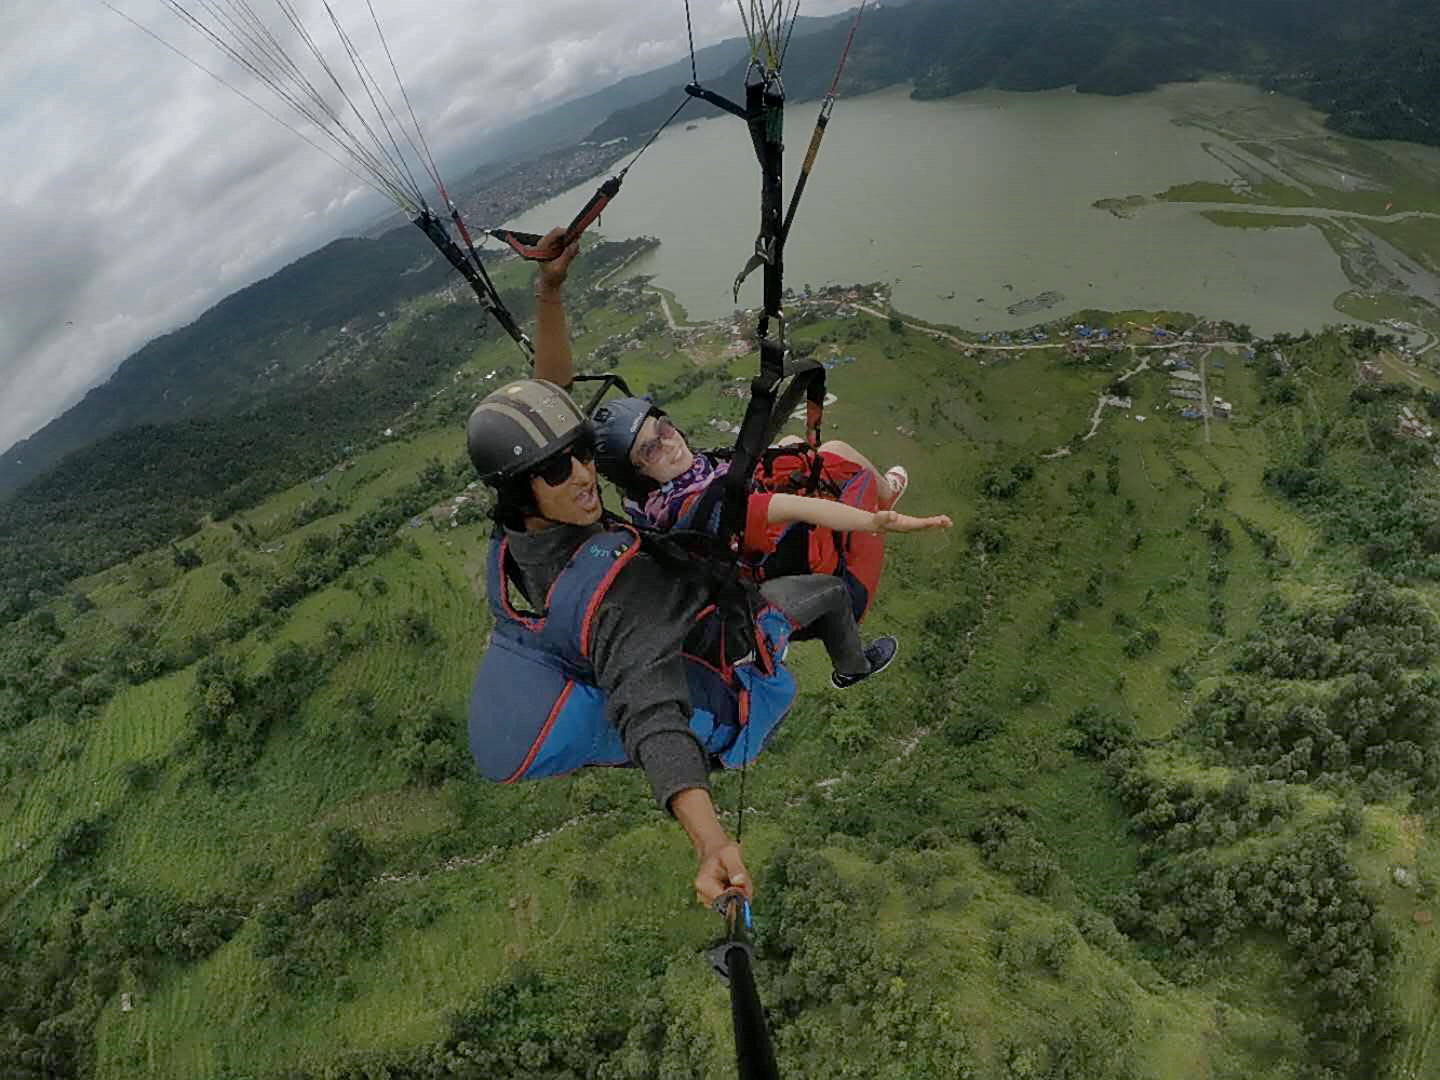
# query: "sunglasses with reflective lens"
{"points": [[557, 469]]}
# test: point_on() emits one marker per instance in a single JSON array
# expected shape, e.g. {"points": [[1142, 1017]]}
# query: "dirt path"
{"points": [[916, 326], [599, 282], [461, 862], [1105, 399], [1304, 211], [665, 307]]}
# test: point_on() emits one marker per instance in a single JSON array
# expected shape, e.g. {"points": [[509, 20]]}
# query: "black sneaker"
{"points": [[879, 652]]}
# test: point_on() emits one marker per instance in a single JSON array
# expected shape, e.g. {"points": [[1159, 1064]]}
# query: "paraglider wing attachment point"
{"points": [[696, 90]]}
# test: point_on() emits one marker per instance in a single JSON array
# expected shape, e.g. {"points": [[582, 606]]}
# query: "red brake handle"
{"points": [[527, 245]]}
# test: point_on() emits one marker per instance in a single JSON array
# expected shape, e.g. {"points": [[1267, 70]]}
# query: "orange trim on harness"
{"points": [[544, 733], [604, 587]]}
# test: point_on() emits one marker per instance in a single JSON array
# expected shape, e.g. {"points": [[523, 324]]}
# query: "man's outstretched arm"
{"points": [[553, 360], [635, 648], [721, 865]]}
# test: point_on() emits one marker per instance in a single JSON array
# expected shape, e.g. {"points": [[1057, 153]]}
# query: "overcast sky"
{"points": [[135, 191]]}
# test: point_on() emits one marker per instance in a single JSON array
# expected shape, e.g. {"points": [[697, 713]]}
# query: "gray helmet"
{"points": [[617, 424], [519, 426]]}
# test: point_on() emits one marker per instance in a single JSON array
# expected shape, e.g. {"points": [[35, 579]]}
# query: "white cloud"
{"points": [[135, 191]]}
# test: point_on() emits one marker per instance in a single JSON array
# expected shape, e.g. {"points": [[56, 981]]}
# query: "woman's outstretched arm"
{"points": [[827, 514]]}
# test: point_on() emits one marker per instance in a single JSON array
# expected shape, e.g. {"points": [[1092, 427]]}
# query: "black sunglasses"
{"points": [[556, 470]]}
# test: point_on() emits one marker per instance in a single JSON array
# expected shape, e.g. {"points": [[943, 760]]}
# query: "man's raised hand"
{"points": [[552, 272]]}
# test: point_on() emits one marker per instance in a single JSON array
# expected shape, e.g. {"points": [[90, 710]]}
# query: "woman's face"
{"points": [[660, 452]]}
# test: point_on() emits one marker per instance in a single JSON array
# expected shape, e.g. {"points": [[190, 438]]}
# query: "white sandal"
{"points": [[899, 480]]}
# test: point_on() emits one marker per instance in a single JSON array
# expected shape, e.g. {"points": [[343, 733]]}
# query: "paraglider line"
{"points": [[621, 174], [432, 168], [690, 32], [790, 32], [369, 182], [367, 81], [392, 185]]}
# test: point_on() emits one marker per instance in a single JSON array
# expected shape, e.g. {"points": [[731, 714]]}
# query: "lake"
{"points": [[976, 204]]}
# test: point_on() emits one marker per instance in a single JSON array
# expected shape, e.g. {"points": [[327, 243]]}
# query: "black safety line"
{"points": [[368, 181], [764, 114], [827, 106], [690, 33]]}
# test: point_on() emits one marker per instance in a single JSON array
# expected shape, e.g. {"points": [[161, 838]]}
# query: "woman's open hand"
{"points": [[892, 521]]}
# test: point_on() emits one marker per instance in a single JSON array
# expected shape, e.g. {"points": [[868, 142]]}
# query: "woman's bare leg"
{"points": [[844, 450]]}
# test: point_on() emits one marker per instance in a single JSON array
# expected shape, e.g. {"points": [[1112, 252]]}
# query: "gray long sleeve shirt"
{"points": [[635, 645]]}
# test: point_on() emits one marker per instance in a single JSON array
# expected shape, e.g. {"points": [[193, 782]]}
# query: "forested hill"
{"points": [[150, 483], [262, 334], [239, 350], [1370, 64]]}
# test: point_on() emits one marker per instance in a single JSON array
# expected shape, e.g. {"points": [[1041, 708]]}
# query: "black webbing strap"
{"points": [[764, 114], [473, 271], [805, 382], [735, 484], [771, 404], [606, 381]]}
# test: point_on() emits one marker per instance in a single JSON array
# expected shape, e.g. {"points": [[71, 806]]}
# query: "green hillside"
{"points": [[149, 484], [1135, 802], [267, 336]]}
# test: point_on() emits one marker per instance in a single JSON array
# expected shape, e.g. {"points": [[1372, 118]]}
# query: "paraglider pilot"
{"points": [[608, 651]]}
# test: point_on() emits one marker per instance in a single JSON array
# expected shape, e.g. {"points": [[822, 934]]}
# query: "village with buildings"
{"points": [[1193, 358]]}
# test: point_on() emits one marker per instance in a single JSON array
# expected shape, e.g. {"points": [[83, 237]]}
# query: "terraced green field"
{"points": [[896, 940]]}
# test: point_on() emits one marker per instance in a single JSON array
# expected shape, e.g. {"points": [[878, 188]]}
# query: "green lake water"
{"points": [[972, 205]]}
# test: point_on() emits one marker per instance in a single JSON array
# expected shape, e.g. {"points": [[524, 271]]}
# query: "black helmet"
{"points": [[616, 424], [519, 426]]}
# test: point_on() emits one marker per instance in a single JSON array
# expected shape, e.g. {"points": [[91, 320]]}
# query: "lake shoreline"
{"points": [[987, 202]]}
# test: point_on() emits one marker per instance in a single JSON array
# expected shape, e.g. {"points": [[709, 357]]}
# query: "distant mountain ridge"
{"points": [[214, 364], [1371, 65], [229, 354]]}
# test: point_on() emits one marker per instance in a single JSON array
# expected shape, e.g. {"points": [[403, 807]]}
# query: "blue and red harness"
{"points": [[535, 708]]}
